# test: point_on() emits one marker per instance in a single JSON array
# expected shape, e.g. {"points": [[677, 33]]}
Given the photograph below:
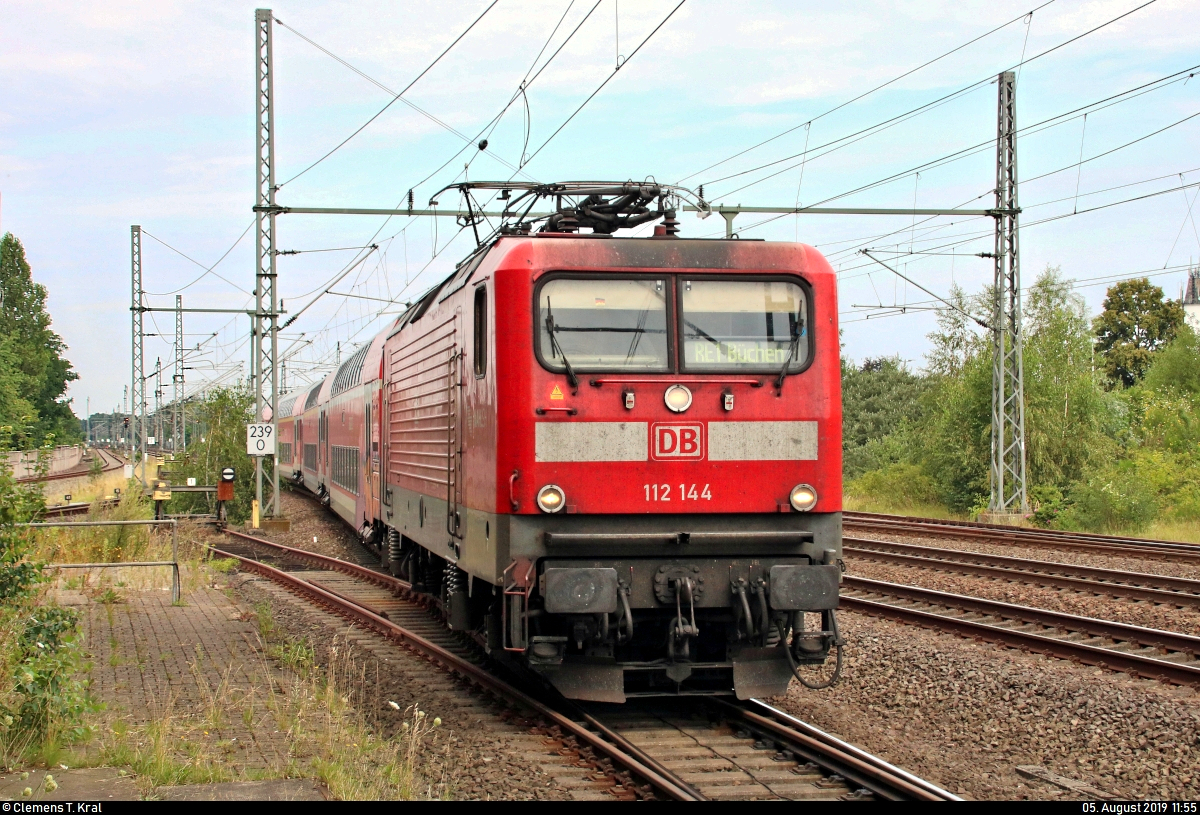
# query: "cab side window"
{"points": [[480, 349]]}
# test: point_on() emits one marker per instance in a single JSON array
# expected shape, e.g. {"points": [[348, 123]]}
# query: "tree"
{"points": [[954, 446], [222, 415], [1136, 322], [957, 338], [1064, 402], [880, 398], [35, 351], [1177, 366], [1065, 407]]}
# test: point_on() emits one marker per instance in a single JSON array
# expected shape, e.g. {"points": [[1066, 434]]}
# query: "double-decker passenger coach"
{"points": [[615, 459]]}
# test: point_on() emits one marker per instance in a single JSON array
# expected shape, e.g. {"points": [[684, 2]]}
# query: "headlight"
{"points": [[551, 498], [803, 498], [678, 398]]}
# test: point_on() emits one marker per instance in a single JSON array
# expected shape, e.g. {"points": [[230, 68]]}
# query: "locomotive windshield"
{"points": [[606, 324], [749, 325]]}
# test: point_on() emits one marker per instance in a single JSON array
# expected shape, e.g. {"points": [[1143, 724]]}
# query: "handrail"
{"points": [[173, 562]]}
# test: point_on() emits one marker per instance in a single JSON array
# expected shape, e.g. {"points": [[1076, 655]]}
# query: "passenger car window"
{"points": [[604, 325], [743, 325]]}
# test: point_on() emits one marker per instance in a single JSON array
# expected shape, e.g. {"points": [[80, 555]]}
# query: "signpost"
{"points": [[260, 439]]}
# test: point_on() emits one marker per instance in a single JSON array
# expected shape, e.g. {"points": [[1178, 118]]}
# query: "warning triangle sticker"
{"points": [[556, 393]]}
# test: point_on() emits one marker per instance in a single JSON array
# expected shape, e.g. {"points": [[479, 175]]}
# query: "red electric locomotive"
{"points": [[617, 459]]}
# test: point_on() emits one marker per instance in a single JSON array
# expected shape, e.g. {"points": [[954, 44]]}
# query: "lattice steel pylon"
{"points": [[264, 371], [178, 432], [1007, 475], [137, 423], [158, 395]]}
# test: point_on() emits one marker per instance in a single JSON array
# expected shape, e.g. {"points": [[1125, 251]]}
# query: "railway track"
{"points": [[695, 749], [1139, 651], [1175, 591], [111, 462], [69, 510], [1021, 536]]}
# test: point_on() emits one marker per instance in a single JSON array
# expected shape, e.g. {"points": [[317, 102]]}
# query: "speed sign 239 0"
{"points": [[260, 439]]}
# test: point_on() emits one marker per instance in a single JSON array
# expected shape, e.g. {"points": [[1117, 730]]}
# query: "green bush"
{"points": [[1119, 497], [42, 694], [1177, 367], [1184, 505], [897, 486]]}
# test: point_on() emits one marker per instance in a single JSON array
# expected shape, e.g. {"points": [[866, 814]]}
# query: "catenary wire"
{"points": [[527, 84], [607, 79], [865, 94], [929, 105], [975, 149], [207, 269], [407, 87], [390, 91]]}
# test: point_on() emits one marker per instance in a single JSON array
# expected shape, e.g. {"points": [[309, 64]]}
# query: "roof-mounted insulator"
{"points": [[671, 223]]}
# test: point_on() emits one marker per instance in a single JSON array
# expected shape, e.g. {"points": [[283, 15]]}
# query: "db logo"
{"points": [[672, 441]]}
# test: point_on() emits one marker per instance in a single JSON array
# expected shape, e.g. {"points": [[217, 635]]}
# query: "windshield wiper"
{"points": [[793, 347], [555, 348]]}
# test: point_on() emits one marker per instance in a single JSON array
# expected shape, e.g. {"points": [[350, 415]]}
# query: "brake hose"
{"points": [[837, 669]]}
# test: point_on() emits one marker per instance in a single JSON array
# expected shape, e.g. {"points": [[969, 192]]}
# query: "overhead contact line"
{"points": [[407, 87], [865, 94], [914, 111]]}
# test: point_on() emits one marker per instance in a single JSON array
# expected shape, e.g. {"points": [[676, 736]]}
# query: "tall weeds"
{"points": [[42, 693], [317, 712]]}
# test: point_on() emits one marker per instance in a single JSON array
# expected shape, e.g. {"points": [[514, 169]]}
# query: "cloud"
{"points": [[135, 111]]}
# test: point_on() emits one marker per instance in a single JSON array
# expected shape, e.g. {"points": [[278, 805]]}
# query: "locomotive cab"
{"points": [[687, 519]]}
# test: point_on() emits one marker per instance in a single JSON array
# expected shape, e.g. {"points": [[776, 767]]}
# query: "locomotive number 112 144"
{"points": [[662, 492]]}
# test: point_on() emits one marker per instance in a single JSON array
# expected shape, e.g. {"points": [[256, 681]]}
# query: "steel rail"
{"points": [[1132, 585], [81, 508], [839, 757], [815, 732], [387, 581], [1017, 531], [451, 662], [75, 472], [863, 769], [1182, 674], [1008, 535], [638, 753]]}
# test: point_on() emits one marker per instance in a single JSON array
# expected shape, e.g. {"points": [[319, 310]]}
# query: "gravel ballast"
{"points": [[1142, 613], [1044, 553], [965, 715]]}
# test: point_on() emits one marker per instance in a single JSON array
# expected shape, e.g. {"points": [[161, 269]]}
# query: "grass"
{"points": [[296, 655], [310, 707], [855, 503], [314, 708], [1181, 531], [128, 543], [222, 565]]}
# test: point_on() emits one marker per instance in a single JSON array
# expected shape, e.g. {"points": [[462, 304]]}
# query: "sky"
{"points": [[127, 113]]}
